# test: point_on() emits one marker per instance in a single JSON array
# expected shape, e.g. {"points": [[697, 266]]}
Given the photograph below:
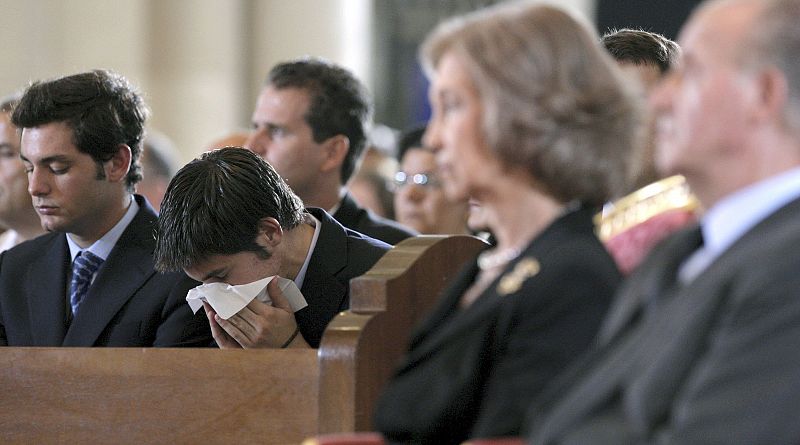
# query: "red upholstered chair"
{"points": [[632, 225]]}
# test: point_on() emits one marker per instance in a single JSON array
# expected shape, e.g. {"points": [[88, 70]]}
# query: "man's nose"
{"points": [[255, 142], [37, 183]]}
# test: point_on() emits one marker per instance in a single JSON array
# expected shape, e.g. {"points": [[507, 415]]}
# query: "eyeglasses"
{"points": [[401, 179]]}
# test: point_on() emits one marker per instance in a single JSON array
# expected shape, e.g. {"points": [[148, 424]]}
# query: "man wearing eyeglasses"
{"points": [[310, 123], [419, 201]]}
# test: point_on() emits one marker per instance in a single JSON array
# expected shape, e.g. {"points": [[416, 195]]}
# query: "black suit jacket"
{"points": [[474, 372], [712, 361], [128, 304], [350, 215], [340, 254]]}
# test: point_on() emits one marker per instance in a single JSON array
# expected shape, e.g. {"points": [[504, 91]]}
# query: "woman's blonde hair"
{"points": [[553, 99]]}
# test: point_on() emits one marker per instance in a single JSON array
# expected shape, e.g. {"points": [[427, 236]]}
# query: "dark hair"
{"points": [[641, 48], [214, 204], [101, 108], [410, 139], [339, 103]]}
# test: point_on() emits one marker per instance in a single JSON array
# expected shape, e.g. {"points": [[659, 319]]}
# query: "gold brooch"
{"points": [[512, 281]]}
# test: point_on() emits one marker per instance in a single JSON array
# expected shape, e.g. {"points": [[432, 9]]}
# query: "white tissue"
{"points": [[227, 300]]}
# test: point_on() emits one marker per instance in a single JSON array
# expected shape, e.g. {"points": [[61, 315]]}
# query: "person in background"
{"points": [[159, 164], [532, 118], [700, 345], [310, 123], [90, 281], [419, 201], [236, 138], [654, 206], [644, 56], [371, 186], [17, 214], [228, 217]]}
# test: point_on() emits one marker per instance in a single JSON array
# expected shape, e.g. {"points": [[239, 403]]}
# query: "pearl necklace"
{"points": [[490, 259]]}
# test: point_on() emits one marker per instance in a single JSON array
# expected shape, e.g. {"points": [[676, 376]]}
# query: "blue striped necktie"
{"points": [[84, 267]]}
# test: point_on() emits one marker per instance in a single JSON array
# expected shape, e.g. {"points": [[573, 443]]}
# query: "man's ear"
{"points": [[335, 149], [270, 233], [117, 167], [773, 94]]}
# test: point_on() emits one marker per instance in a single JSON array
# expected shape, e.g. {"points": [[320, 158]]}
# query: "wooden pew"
{"points": [[121, 395]]}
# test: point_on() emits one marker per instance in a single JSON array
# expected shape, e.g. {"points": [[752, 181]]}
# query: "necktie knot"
{"points": [[696, 258], [83, 269]]}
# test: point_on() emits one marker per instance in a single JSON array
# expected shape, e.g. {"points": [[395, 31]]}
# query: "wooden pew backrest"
{"points": [[176, 396], [361, 347]]}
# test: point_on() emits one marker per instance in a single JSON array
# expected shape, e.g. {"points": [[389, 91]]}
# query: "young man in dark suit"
{"points": [[701, 343], [90, 282], [310, 123], [228, 217]]}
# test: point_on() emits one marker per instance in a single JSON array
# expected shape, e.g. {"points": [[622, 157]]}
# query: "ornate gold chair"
{"points": [[632, 225]]}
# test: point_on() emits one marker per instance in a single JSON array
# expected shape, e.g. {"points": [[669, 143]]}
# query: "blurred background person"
{"points": [[371, 186], [531, 117], [419, 201], [17, 214], [655, 206], [159, 164], [237, 138], [645, 57]]}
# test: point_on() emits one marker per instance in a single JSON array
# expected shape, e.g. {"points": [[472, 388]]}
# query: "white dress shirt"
{"points": [[737, 213]]}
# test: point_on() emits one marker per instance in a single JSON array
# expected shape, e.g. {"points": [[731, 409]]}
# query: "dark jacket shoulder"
{"points": [[354, 217]]}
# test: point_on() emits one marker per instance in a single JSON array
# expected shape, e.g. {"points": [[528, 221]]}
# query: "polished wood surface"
{"points": [[361, 347], [133, 395], [110, 395]]}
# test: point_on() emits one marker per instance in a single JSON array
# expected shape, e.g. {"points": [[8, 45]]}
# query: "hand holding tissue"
{"points": [[227, 300]]}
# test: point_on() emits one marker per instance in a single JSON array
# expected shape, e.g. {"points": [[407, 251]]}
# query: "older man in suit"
{"points": [[90, 282], [701, 345]]}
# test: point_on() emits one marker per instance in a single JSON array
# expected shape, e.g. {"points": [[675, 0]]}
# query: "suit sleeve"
{"points": [[179, 326]]}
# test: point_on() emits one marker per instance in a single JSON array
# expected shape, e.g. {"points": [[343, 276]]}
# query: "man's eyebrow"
{"points": [[213, 273], [47, 160]]}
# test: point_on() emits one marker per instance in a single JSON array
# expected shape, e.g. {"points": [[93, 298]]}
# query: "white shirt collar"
{"points": [[314, 222], [103, 246], [734, 215]]}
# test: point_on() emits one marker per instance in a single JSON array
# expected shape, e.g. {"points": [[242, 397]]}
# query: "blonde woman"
{"points": [[530, 117]]}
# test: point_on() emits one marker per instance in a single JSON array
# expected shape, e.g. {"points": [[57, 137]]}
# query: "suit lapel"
{"points": [[624, 342], [127, 267], [636, 293], [448, 323], [324, 293], [48, 297]]}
